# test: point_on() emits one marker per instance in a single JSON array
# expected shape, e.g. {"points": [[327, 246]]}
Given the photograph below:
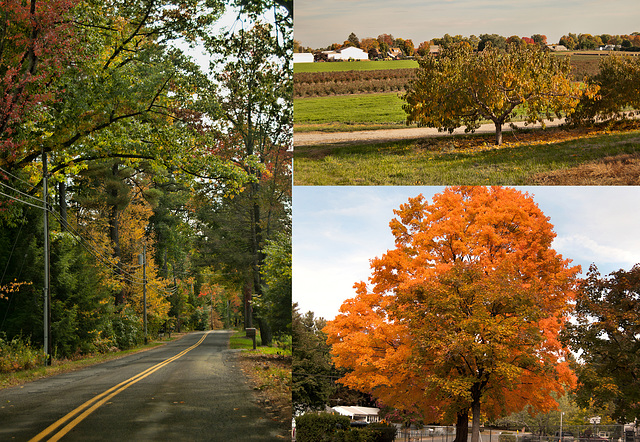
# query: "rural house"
{"points": [[395, 53], [367, 414]]}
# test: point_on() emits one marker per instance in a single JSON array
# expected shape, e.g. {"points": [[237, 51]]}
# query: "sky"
{"points": [[337, 230], [318, 24]]}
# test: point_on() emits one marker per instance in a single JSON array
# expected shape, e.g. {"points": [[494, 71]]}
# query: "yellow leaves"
{"points": [[11, 287]]}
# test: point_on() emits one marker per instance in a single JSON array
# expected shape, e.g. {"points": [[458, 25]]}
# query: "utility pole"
{"points": [[47, 294], [144, 289]]}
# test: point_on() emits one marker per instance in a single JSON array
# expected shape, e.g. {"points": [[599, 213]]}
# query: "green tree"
{"points": [[312, 369], [460, 87], [255, 109], [354, 40], [616, 83], [494, 40], [274, 306], [606, 334]]}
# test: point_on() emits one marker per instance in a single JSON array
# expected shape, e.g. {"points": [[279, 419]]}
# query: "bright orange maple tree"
{"points": [[464, 313]]}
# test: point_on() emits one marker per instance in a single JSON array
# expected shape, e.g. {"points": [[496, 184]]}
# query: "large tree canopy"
{"points": [[461, 87], [607, 334], [464, 313]]}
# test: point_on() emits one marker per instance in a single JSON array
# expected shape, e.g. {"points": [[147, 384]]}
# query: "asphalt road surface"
{"points": [[186, 390]]}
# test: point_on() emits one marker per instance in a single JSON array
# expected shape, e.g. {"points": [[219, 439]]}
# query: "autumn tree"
{"points": [[606, 335], [423, 48], [37, 44], [568, 41], [617, 84], [464, 314], [461, 87]]}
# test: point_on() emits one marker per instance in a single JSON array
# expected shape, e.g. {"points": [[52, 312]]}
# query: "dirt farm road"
{"points": [[387, 135]]}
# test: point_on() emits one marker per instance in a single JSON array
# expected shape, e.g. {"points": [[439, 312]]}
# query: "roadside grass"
{"points": [[354, 66], [530, 157], [269, 371], [66, 366]]}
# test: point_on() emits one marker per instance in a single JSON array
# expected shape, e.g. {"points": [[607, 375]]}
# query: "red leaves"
{"points": [[34, 49]]}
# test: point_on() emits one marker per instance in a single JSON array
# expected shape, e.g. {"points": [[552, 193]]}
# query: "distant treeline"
{"points": [[382, 43]]}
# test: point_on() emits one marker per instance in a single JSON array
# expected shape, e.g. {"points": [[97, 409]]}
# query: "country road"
{"points": [[186, 390], [301, 139]]}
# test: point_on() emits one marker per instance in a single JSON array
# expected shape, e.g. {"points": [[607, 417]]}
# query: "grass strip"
{"points": [[464, 159]]}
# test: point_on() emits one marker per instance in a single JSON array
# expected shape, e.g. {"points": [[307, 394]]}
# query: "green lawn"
{"points": [[383, 110], [354, 66], [415, 162]]}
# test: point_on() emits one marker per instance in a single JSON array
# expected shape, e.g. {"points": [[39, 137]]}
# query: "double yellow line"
{"points": [[91, 405]]}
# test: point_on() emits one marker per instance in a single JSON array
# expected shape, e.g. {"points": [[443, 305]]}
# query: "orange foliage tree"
{"points": [[464, 313]]}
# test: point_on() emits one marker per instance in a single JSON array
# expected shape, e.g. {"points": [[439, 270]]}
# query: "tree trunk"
{"points": [[462, 426], [265, 332], [498, 134], [476, 394], [62, 203], [114, 234]]}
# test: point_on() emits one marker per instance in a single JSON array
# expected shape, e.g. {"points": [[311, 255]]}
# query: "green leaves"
{"points": [[461, 87]]}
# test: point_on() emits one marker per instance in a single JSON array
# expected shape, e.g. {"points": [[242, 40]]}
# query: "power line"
{"points": [[15, 177], [20, 192], [89, 245], [19, 200]]}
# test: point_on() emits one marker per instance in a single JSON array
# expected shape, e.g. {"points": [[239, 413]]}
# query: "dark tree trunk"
{"points": [[62, 203], [114, 234], [462, 426]]}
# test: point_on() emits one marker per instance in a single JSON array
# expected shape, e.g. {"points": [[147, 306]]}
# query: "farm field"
{"points": [[560, 156], [354, 66], [353, 96], [348, 112]]}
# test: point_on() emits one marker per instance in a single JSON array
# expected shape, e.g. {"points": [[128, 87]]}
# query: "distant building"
{"points": [[557, 47], [367, 414], [304, 57], [348, 53], [434, 49], [395, 53]]}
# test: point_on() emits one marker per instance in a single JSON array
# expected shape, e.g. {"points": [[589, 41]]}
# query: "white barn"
{"points": [[303, 57], [348, 53]]}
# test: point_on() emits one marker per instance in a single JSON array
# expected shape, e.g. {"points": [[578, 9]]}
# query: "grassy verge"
{"points": [[532, 157], [66, 366], [269, 372]]}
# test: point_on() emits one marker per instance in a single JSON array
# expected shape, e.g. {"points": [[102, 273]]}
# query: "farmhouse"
{"points": [[367, 414], [302, 57], [557, 47], [395, 53], [348, 53]]}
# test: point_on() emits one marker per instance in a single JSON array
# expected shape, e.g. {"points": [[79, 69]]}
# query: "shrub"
{"points": [[507, 437], [322, 427], [127, 330], [18, 354], [327, 427]]}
